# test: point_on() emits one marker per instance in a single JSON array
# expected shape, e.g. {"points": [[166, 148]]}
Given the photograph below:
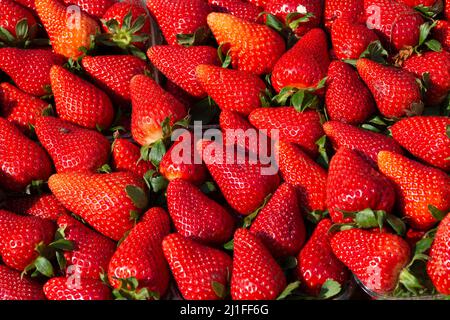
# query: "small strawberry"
{"points": [[345, 9], [15, 287], [239, 8], [44, 206], [442, 32], [126, 157], [17, 24], [95, 8], [201, 272], [61, 288]]}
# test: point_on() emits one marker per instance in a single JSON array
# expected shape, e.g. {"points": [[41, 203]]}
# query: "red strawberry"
{"points": [[181, 95], [141, 256], [27, 4], [345, 9], [447, 10], [15, 287], [302, 128], [375, 258], [442, 32], [347, 98], [72, 148], [415, 3], [253, 47], [11, 13], [232, 90], [100, 199], [79, 101], [305, 64], [259, 3], [412, 236], [44, 206], [178, 64], [354, 185], [22, 159], [256, 275], [61, 288], [366, 143], [95, 8], [418, 187], [317, 263], [151, 105], [197, 269], [239, 8], [126, 157], [30, 68]]}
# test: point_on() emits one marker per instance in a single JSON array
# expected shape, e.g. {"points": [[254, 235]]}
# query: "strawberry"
{"points": [[447, 10], [16, 150], [239, 8], [366, 143], [418, 187], [27, 4], [17, 24], [376, 258], [347, 98], [302, 128], [442, 32], [96, 196], [44, 206], [198, 270], [415, 3], [178, 64], [61, 288], [150, 106], [19, 107], [72, 148], [30, 68], [141, 256], [259, 3], [354, 185], [232, 90], [79, 101], [253, 47], [95, 8], [179, 17], [305, 64], [280, 223], [345, 9], [256, 275], [181, 95], [15, 287], [126, 157], [426, 138]]}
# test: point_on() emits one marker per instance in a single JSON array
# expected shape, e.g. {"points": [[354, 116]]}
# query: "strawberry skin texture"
{"points": [[30, 68], [442, 32], [256, 275], [196, 267], [150, 106], [253, 47], [305, 64], [302, 128], [15, 287], [141, 255], [95, 8], [239, 8], [417, 187], [367, 143], [354, 185], [232, 90], [178, 64], [126, 157], [72, 148], [415, 3], [44, 206], [317, 263], [11, 13], [61, 288], [280, 223], [345, 9], [19, 107], [375, 258], [100, 199], [16, 150], [303, 173], [425, 138]]}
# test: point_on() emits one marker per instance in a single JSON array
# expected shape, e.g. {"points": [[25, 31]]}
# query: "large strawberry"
{"points": [[345, 9], [201, 272], [253, 47], [22, 159], [239, 8], [442, 32], [94, 8], [420, 189], [61, 288], [17, 24], [102, 200], [126, 157], [44, 206], [15, 287]]}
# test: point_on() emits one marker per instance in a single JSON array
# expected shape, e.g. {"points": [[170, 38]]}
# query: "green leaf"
{"points": [[317, 215], [61, 259], [273, 22], [225, 60], [396, 224], [283, 96], [375, 52], [22, 29], [330, 288], [159, 183], [208, 187], [62, 244], [290, 288], [430, 11], [425, 30], [137, 195], [423, 246], [229, 245], [434, 45], [198, 37], [6, 36], [322, 144], [367, 218], [43, 266], [157, 152], [219, 289], [436, 213], [294, 19], [106, 168]]}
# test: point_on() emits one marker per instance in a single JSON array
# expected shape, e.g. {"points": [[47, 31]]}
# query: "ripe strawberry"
{"points": [[232, 90], [345, 9], [447, 10], [95, 8], [256, 275], [317, 263], [442, 32], [354, 185], [15, 287], [415, 3], [141, 256], [16, 150], [44, 206], [126, 157], [302, 128], [197, 269], [30, 68], [96, 196], [27, 4], [239, 8], [259, 3], [253, 47], [19, 107], [303, 173], [418, 187], [178, 64], [61, 288], [366, 143], [79, 101], [305, 64], [11, 13], [375, 258], [150, 106], [72, 148]]}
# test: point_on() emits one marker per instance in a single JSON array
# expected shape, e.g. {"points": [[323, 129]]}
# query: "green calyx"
{"points": [[129, 290], [199, 37], [23, 35]]}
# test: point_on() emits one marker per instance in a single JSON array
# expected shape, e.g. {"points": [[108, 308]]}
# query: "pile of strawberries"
{"points": [[354, 95]]}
